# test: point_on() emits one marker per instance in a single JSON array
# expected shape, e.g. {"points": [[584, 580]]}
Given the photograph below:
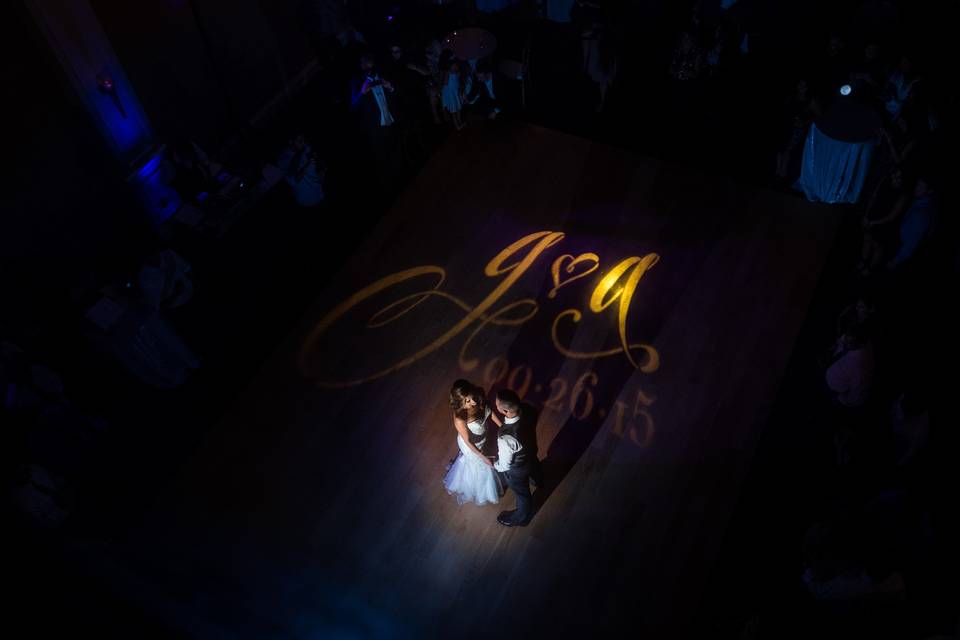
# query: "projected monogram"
{"points": [[617, 286]]}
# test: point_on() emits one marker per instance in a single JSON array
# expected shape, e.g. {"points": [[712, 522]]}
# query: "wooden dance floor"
{"points": [[647, 311]]}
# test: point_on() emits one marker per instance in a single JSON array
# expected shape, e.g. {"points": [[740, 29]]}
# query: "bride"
{"points": [[471, 477]]}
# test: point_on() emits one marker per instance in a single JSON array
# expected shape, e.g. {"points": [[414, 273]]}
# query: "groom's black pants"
{"points": [[518, 479], [536, 471]]}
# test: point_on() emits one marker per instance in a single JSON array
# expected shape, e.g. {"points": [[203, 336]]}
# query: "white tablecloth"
{"points": [[833, 171]]}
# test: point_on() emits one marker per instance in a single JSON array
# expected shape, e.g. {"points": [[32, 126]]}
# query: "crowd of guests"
{"points": [[55, 436], [51, 444], [880, 535]]}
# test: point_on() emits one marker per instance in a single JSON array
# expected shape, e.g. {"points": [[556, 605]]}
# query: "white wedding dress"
{"points": [[471, 479]]}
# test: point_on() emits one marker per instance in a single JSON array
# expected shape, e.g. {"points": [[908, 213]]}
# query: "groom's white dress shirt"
{"points": [[507, 448]]}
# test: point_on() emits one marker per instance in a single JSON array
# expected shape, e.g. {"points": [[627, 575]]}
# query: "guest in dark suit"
{"points": [[410, 80]]}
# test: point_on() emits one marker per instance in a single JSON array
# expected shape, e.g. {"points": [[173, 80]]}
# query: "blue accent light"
{"points": [[150, 180]]}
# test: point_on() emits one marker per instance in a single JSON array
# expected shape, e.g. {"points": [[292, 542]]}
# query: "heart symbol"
{"points": [[570, 268]]}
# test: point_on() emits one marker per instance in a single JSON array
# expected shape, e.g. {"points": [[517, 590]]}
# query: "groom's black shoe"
{"points": [[506, 519]]}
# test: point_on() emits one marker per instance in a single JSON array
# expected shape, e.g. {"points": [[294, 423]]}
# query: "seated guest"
{"points": [[899, 87], [901, 142], [916, 223], [879, 221], [299, 164], [40, 495], [910, 420], [139, 338], [851, 375], [194, 170], [834, 569], [164, 280]]}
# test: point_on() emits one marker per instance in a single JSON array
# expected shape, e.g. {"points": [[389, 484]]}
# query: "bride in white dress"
{"points": [[471, 477]]}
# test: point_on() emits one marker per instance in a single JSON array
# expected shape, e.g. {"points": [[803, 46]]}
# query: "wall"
{"points": [[205, 92]]}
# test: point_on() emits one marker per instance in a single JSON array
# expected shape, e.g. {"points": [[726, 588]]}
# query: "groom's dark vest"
{"points": [[519, 457]]}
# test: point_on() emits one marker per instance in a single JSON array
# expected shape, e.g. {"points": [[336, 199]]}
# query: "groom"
{"points": [[515, 461]]}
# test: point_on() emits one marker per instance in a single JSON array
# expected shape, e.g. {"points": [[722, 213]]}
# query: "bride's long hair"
{"points": [[462, 390]]}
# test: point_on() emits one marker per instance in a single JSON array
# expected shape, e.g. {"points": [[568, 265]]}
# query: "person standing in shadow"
{"points": [[373, 98]]}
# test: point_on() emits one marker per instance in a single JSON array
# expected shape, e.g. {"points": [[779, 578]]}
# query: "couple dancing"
{"points": [[475, 477]]}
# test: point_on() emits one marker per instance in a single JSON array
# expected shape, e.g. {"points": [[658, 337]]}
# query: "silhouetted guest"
{"points": [[916, 223], [800, 110], [716, 60], [140, 339], [40, 495], [834, 567], [901, 142], [373, 98], [869, 75], [862, 312], [410, 79], [164, 280], [402, 66], [584, 14], [881, 221], [194, 169], [303, 172], [454, 90], [687, 59], [832, 69], [328, 26], [19, 392], [600, 59], [910, 420], [899, 86], [433, 57], [483, 96], [851, 374]]}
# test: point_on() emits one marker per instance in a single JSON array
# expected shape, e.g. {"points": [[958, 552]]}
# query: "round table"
{"points": [[837, 153], [470, 43]]}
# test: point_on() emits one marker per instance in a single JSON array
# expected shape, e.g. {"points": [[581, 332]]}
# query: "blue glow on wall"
{"points": [[151, 181], [121, 115]]}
